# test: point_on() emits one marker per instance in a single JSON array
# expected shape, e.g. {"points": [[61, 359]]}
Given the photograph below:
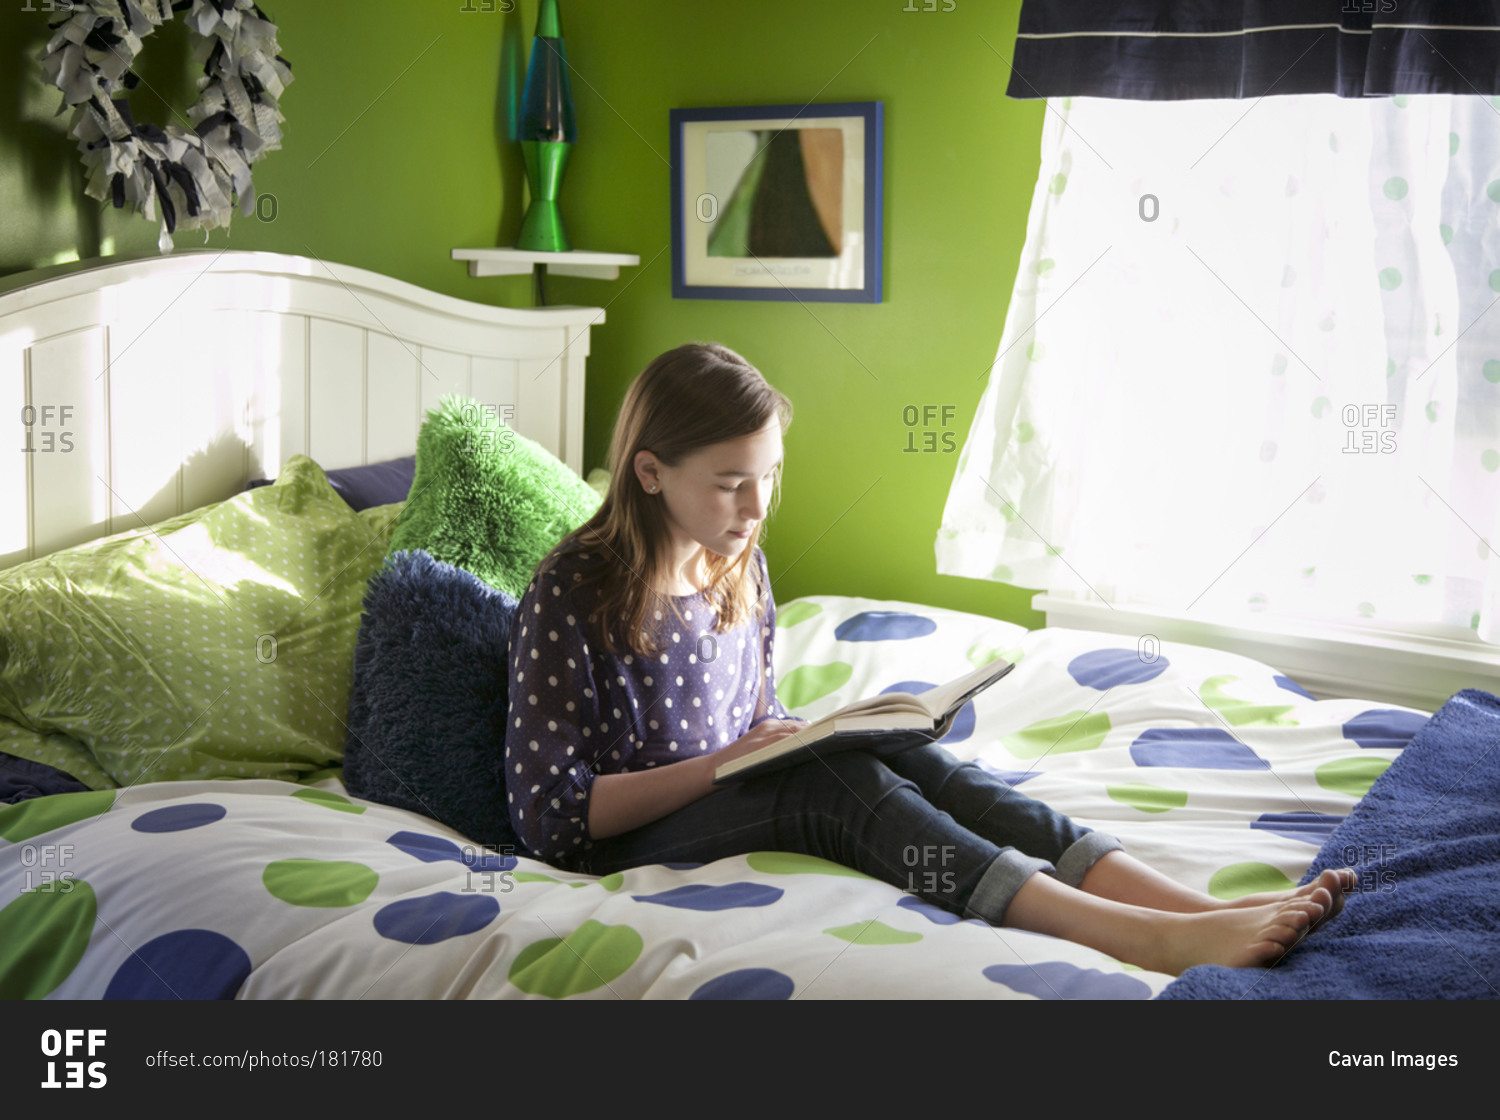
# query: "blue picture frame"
{"points": [[706, 228]]}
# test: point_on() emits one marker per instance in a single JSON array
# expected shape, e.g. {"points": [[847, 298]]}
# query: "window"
{"points": [[1251, 365]]}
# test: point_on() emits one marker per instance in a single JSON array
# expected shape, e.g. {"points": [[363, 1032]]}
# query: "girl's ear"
{"points": [[646, 471]]}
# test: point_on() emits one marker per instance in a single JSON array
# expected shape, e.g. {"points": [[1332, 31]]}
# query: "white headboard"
{"points": [[135, 391]]}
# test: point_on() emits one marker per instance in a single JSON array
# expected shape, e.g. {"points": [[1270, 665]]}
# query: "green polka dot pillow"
{"points": [[61, 752], [219, 643]]}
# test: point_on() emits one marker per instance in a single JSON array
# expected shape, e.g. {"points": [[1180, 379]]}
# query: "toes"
{"points": [[1268, 952], [1339, 881], [1294, 918], [1290, 927], [1295, 921], [1288, 924], [1284, 937], [1305, 913]]}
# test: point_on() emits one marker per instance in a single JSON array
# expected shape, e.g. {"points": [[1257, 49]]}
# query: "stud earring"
{"points": [[652, 490]]}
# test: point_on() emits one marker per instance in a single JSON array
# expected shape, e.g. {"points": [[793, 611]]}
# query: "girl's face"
{"points": [[718, 494]]}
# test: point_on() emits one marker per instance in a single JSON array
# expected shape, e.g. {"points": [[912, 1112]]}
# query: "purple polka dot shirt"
{"points": [[577, 711]]}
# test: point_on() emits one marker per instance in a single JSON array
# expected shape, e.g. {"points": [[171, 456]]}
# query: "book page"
{"points": [[937, 701], [885, 702], [891, 711], [881, 721], [931, 705]]}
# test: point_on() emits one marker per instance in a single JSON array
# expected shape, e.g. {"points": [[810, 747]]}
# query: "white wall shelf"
{"points": [[519, 262]]}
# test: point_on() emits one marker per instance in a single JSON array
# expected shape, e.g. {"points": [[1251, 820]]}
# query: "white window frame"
{"points": [[1415, 666]]}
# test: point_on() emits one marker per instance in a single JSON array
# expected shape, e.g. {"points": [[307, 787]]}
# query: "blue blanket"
{"points": [[1425, 923]]}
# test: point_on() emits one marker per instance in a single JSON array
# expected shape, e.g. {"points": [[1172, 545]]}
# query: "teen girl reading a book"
{"points": [[641, 660]]}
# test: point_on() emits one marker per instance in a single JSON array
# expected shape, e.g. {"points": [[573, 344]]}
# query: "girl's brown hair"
{"points": [[686, 399]]}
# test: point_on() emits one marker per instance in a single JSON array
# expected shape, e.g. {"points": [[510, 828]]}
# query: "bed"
{"points": [[232, 867]]}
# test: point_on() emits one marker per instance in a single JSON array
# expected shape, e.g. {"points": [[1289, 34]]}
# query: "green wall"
{"points": [[396, 151]]}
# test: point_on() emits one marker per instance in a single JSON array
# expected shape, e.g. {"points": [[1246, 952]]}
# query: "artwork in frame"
{"points": [[778, 202]]}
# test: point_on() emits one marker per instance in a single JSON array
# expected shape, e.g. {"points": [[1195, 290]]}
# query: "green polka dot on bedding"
{"points": [[217, 644]]}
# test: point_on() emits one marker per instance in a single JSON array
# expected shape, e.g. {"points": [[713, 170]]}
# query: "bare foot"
{"points": [[1337, 883], [1169, 941], [1239, 936]]}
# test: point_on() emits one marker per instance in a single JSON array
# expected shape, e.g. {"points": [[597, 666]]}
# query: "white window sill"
{"points": [[1412, 667]]}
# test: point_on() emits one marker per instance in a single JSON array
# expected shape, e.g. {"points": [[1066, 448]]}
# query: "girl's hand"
{"points": [[621, 802], [765, 732]]}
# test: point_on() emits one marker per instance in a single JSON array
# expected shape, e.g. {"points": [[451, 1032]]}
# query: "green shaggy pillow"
{"points": [[487, 499], [218, 644]]}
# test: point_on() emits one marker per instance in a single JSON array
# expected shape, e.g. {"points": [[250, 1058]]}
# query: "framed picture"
{"points": [[777, 202]]}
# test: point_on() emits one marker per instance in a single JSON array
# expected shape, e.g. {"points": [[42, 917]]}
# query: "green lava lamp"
{"points": [[547, 132]]}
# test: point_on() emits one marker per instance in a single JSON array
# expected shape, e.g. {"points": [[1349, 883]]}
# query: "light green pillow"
{"points": [[487, 499], [61, 752], [217, 644]]}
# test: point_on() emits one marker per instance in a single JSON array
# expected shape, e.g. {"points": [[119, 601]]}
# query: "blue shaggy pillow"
{"points": [[427, 710]]}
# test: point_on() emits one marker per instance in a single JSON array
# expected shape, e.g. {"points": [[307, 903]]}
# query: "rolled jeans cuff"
{"points": [[1000, 882], [1074, 863]]}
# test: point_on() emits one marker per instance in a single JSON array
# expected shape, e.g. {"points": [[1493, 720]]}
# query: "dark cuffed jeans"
{"points": [[949, 832]]}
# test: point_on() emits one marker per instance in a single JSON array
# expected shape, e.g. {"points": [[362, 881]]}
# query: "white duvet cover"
{"points": [[1209, 766]]}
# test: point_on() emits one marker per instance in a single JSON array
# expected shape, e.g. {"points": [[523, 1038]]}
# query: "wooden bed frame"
{"points": [[137, 390]]}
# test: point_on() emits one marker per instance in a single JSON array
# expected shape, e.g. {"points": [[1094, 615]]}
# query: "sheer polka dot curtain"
{"points": [[1251, 364]]}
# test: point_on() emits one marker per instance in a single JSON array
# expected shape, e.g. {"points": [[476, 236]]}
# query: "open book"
{"points": [[885, 724]]}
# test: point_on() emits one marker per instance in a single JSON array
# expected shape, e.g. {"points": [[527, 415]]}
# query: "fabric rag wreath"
{"points": [[195, 174]]}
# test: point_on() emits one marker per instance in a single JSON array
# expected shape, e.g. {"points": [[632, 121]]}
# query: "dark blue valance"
{"points": [[1161, 51]]}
